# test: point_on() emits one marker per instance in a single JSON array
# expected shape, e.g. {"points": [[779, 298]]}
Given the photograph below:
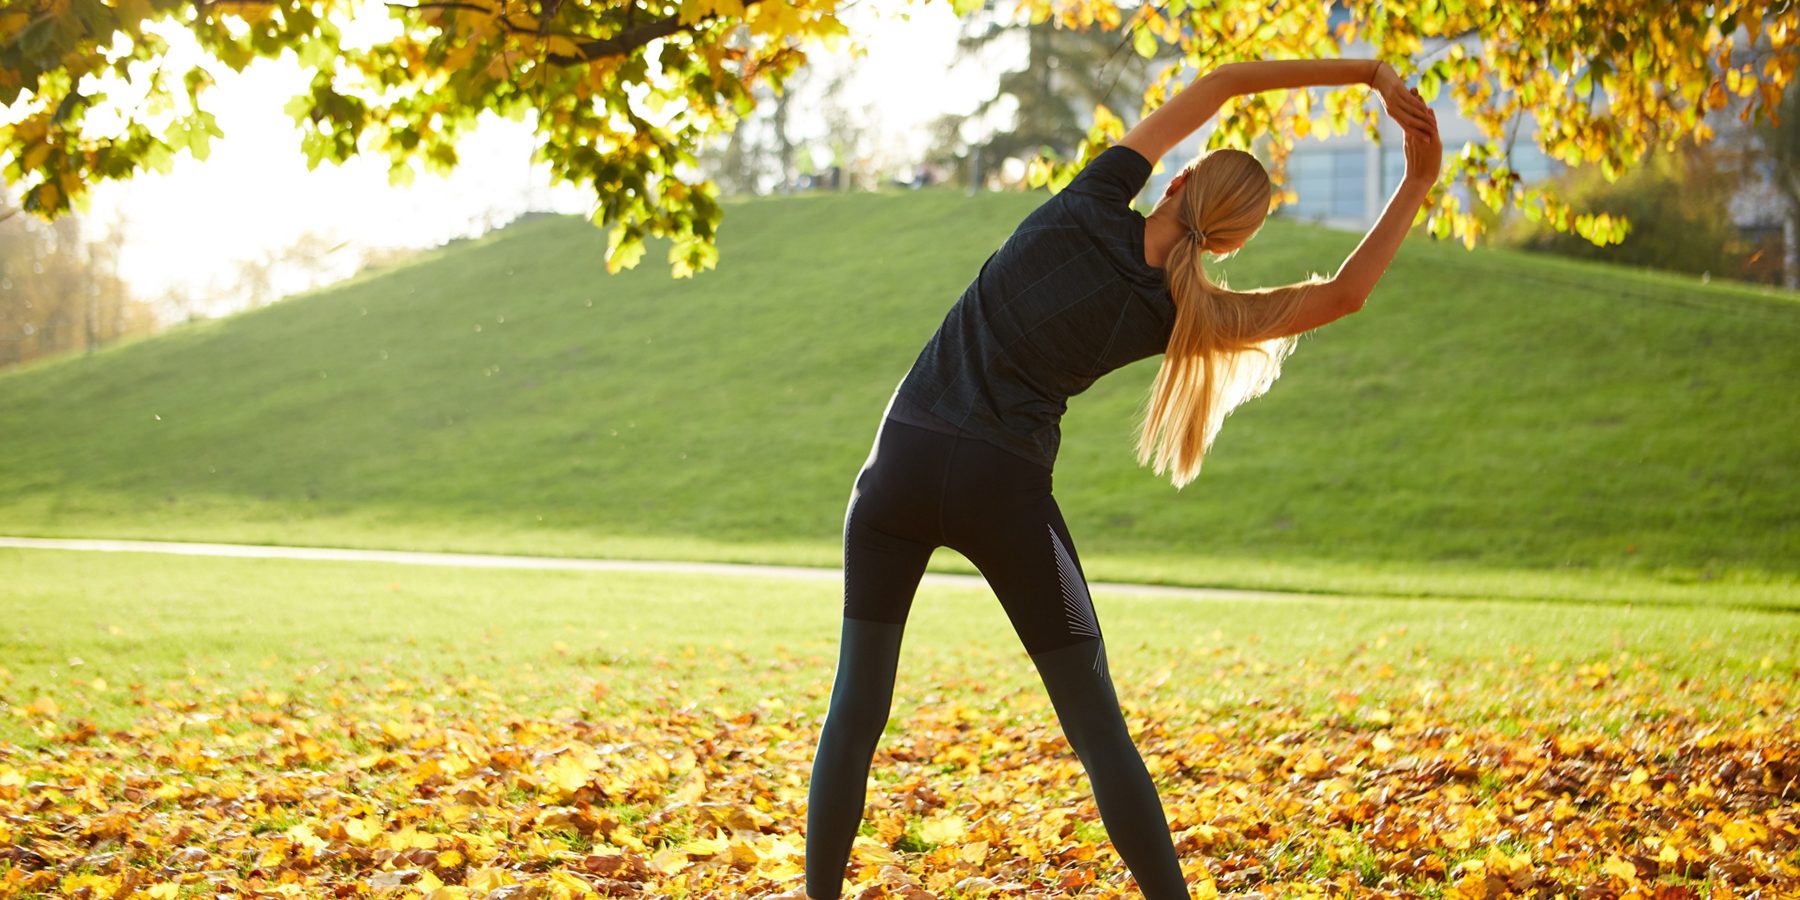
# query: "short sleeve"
{"points": [[1116, 175]]}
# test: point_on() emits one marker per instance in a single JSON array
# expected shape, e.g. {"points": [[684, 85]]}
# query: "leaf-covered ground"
{"points": [[188, 728]]}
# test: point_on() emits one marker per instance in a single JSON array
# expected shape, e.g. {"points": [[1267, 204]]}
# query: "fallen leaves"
{"points": [[365, 787]]}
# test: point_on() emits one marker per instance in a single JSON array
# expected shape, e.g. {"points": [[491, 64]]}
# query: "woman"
{"points": [[964, 454]]}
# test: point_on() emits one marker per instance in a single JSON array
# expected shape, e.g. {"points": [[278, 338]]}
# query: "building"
{"points": [[1344, 180]]}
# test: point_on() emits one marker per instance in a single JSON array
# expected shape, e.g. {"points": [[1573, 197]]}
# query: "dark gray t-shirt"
{"points": [[1066, 299]]}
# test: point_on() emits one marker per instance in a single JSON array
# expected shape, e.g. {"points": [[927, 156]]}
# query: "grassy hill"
{"points": [[1492, 423]]}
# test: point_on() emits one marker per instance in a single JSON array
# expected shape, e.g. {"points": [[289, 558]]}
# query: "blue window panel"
{"points": [[1393, 168], [1330, 183], [1347, 195], [1309, 174]]}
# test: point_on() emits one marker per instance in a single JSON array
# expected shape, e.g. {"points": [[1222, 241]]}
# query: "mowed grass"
{"points": [[209, 628], [1492, 424], [250, 724]]}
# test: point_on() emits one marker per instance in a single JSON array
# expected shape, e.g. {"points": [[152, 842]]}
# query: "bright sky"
{"points": [[254, 194]]}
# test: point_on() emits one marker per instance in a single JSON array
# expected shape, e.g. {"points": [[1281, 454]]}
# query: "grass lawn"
{"points": [[196, 725], [1493, 424]]}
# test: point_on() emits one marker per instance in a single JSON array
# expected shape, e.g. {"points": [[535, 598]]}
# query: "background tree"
{"points": [[60, 290], [730, 161], [1606, 80], [621, 92], [307, 260], [760, 147], [853, 137], [1067, 72]]}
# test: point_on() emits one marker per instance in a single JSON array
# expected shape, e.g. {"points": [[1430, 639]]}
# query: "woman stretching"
{"points": [[963, 456]]}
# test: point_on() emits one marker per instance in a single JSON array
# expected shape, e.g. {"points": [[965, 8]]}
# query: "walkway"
{"points": [[496, 561]]}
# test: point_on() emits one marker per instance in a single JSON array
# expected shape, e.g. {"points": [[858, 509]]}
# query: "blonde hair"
{"points": [[1225, 347]]}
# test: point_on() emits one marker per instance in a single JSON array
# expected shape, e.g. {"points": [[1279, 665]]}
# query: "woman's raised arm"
{"points": [[1345, 292], [1184, 113]]}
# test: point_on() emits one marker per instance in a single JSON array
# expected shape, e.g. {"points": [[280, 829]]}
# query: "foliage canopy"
{"points": [[1605, 80], [621, 93]]}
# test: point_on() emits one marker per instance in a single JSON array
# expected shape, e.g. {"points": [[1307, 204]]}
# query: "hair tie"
{"points": [[1198, 237]]}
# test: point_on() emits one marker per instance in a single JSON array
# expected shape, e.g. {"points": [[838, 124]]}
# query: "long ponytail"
{"points": [[1227, 346]]}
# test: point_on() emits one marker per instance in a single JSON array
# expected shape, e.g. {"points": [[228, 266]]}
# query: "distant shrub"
{"points": [[1678, 205]]}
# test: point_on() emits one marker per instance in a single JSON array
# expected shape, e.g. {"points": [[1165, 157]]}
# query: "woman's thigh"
{"points": [[893, 521], [1009, 525]]}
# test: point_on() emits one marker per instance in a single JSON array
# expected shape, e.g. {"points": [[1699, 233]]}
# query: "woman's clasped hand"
{"points": [[1401, 103]]}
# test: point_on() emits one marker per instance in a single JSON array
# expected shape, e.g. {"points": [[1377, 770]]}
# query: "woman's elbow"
{"points": [[1345, 298], [1225, 79]]}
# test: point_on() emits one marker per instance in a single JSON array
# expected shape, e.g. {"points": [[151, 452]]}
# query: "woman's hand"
{"points": [[1424, 152], [1401, 104]]}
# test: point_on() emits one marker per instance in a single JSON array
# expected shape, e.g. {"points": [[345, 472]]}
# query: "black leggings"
{"points": [[920, 490]]}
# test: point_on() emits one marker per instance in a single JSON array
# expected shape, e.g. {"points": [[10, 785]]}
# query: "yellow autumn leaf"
{"points": [[411, 838], [1312, 764], [569, 775], [865, 850], [705, 846], [778, 847], [362, 831], [44, 705], [668, 860], [1619, 868], [942, 828], [620, 837], [489, 879]]}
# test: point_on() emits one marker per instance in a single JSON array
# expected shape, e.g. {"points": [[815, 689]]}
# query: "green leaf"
{"points": [[1428, 83], [157, 157], [314, 145], [1143, 42], [234, 54], [315, 54], [39, 36], [299, 108], [624, 247], [95, 18]]}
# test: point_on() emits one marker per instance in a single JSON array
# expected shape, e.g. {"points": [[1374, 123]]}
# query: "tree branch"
{"points": [[628, 39], [448, 4], [632, 38], [498, 14]]}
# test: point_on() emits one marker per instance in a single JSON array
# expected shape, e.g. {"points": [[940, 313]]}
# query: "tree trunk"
{"points": [[1790, 245], [783, 145]]}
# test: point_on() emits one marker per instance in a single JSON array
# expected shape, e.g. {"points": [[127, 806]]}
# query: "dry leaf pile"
{"points": [[361, 789]]}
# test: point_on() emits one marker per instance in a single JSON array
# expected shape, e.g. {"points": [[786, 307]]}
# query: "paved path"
{"points": [[495, 561]]}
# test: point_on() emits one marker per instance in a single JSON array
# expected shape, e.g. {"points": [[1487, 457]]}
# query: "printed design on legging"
{"points": [[1078, 607], [849, 514]]}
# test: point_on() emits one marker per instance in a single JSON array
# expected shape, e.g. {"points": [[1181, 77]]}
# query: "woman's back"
{"points": [[1067, 298]]}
